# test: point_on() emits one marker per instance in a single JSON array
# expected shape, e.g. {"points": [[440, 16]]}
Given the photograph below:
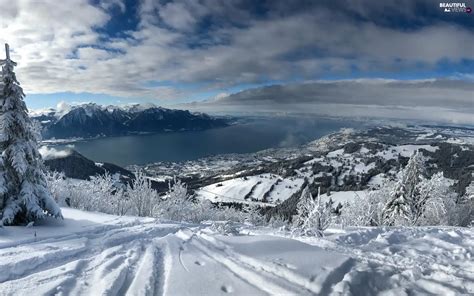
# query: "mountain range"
{"points": [[93, 120]]}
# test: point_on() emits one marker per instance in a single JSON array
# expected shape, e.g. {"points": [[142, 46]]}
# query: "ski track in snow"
{"points": [[124, 256]]}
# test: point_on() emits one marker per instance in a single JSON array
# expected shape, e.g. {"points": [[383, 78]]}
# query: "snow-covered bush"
{"points": [[225, 227], [367, 209], [313, 217], [252, 215], [102, 193], [279, 222], [439, 206], [105, 193], [175, 205], [59, 188], [179, 206], [141, 197], [466, 207]]}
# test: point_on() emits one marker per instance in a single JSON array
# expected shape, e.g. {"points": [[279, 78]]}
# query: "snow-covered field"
{"points": [[98, 254], [262, 189]]}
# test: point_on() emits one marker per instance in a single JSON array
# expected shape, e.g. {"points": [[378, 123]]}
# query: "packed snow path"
{"points": [[96, 254]]}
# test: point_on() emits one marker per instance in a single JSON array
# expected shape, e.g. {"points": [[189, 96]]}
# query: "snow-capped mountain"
{"points": [[91, 120]]}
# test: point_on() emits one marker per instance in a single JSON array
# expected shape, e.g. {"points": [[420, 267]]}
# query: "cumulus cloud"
{"points": [[69, 46]]}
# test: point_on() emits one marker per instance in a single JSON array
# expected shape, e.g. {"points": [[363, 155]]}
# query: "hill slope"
{"points": [[91, 253]]}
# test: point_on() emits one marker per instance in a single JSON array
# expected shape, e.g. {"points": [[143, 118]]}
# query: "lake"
{"points": [[251, 135]]}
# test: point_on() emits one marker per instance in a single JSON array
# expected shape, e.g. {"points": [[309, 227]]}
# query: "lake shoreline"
{"points": [[241, 138]]}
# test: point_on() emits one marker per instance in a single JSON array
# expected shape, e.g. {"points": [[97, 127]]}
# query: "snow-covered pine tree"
{"points": [[406, 204], [313, 217], [24, 192]]}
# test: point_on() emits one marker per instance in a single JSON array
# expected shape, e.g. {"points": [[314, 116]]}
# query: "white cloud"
{"points": [[58, 46], [220, 96], [52, 153], [428, 100]]}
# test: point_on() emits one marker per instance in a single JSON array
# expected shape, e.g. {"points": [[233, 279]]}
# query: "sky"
{"points": [[339, 57]]}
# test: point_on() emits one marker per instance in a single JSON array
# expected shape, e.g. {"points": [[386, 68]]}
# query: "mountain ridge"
{"points": [[93, 120]]}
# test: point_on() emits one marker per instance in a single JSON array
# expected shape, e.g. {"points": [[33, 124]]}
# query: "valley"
{"points": [[344, 165]]}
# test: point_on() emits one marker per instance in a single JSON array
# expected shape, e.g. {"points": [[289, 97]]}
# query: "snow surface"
{"points": [[344, 196], [98, 254], [252, 189], [404, 150]]}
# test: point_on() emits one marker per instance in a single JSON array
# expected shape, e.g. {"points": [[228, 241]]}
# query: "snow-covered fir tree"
{"points": [[24, 192], [313, 216], [406, 204]]}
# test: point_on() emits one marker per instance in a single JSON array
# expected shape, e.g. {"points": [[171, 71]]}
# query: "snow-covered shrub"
{"points": [[465, 207], [176, 203], [367, 209], [79, 196], [179, 206], [140, 196], [102, 193], [358, 212], [279, 222], [439, 206], [225, 227], [57, 183], [252, 215], [313, 217]]}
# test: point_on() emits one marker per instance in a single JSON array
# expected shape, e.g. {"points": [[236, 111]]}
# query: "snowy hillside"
{"points": [[262, 189], [98, 254], [347, 161]]}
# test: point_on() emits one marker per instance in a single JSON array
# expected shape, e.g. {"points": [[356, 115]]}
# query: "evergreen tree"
{"points": [[313, 217], [406, 204], [24, 192]]}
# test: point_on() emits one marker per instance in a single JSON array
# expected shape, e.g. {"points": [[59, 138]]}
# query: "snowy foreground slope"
{"points": [[97, 254]]}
